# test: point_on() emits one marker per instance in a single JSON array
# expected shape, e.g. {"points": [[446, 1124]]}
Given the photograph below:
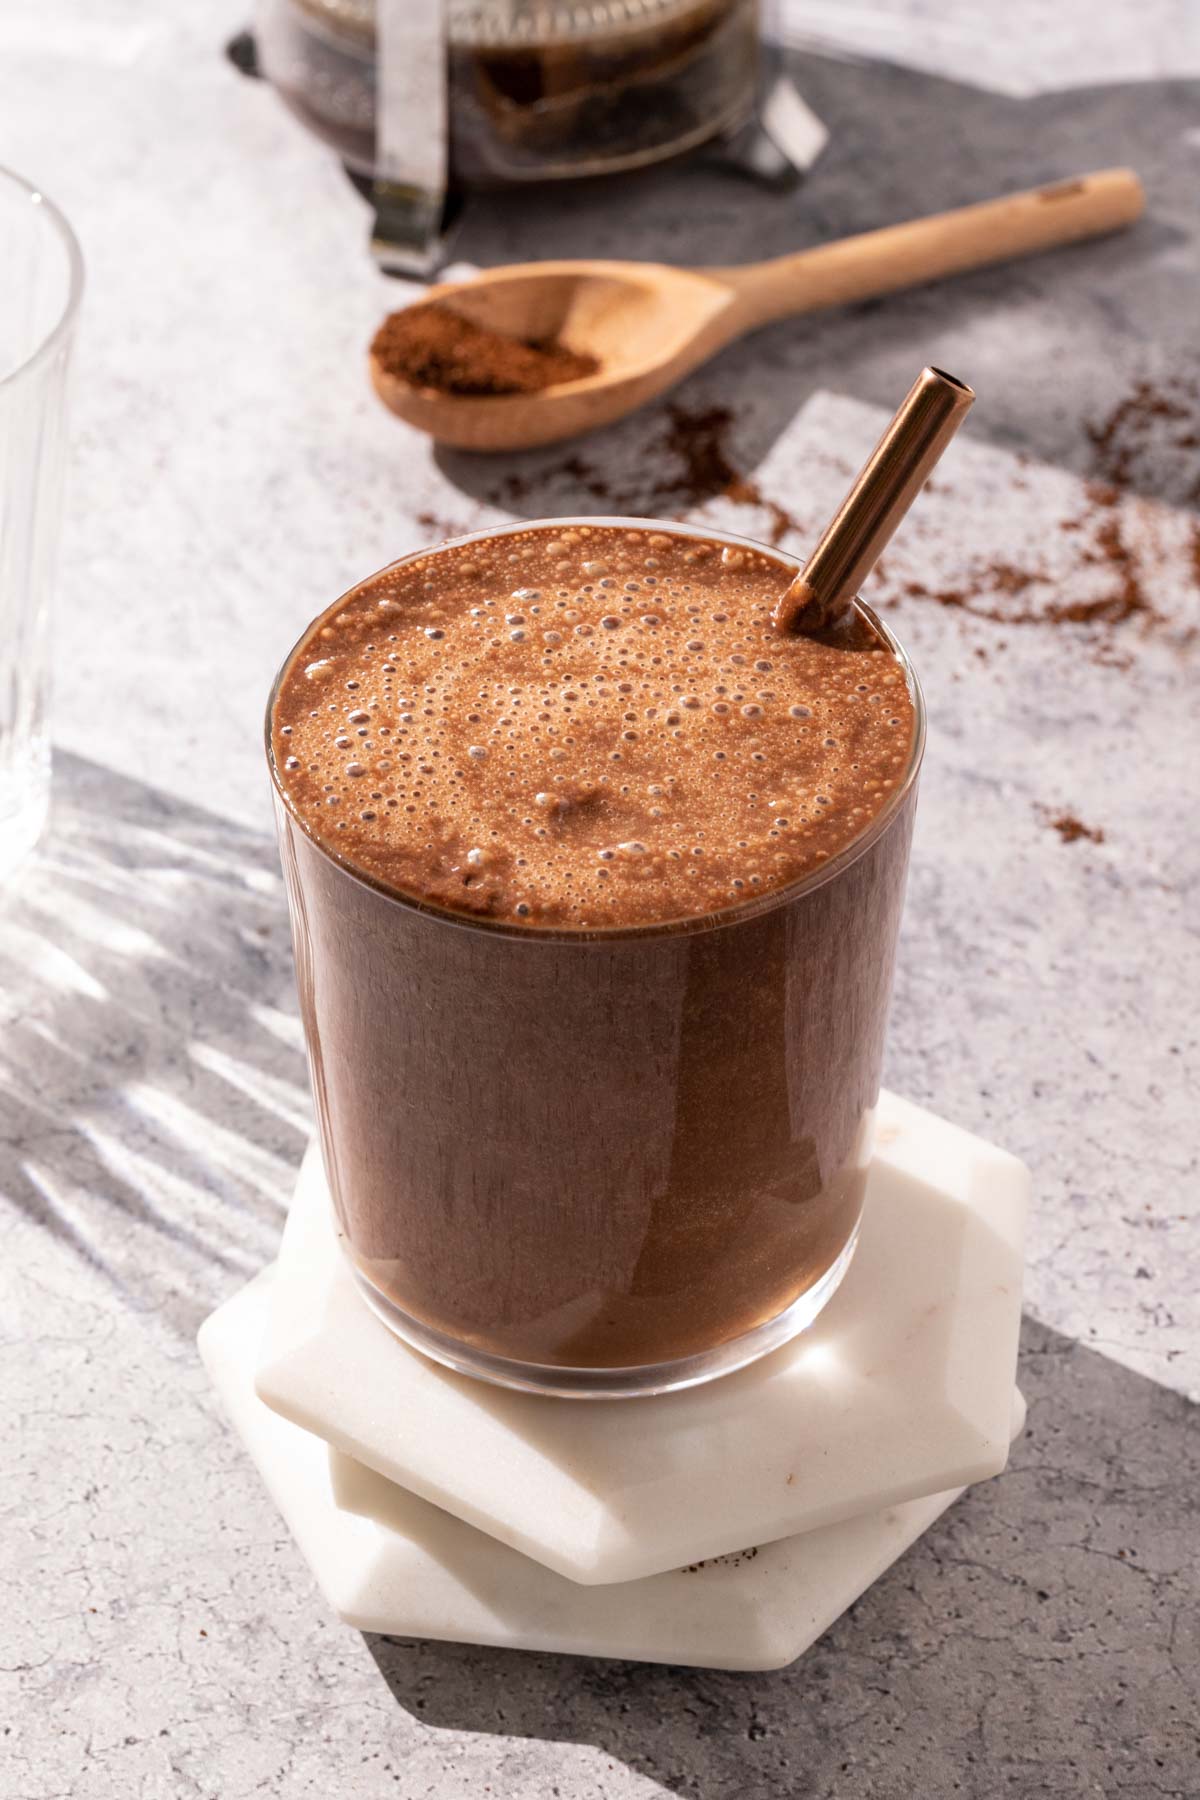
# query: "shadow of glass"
{"points": [[1042, 1637], [153, 1094]]}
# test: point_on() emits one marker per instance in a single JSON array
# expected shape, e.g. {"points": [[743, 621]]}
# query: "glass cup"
{"points": [[39, 300], [604, 1162]]}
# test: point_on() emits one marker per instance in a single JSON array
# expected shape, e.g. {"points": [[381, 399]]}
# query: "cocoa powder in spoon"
{"points": [[432, 346]]}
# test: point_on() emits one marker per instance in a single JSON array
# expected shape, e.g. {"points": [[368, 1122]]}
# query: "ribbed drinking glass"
{"points": [[42, 277]]}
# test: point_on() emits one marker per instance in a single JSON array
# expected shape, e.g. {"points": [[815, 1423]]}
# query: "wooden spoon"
{"points": [[649, 325]]}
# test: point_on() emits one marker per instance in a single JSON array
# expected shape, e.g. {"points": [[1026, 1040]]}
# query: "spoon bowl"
{"points": [[646, 325]]}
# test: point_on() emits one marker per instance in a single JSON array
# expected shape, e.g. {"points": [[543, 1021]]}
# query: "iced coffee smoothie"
{"points": [[595, 880]]}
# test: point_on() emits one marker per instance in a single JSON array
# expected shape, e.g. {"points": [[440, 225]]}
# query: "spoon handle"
{"points": [[901, 256]]}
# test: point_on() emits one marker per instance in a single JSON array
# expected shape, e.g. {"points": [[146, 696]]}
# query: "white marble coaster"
{"points": [[902, 1388], [388, 1561]]}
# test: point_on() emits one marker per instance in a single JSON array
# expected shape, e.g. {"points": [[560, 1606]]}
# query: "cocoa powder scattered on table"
{"points": [[1070, 829], [700, 468], [438, 527], [587, 477], [699, 441], [1151, 431], [989, 585], [432, 346]]}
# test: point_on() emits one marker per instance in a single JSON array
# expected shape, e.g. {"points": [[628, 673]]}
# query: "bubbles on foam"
{"points": [[637, 677]]}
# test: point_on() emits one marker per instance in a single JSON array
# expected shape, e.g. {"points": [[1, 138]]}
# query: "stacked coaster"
{"points": [[724, 1526]]}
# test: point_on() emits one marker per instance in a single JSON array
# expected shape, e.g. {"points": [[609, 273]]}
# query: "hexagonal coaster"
{"points": [[901, 1388], [388, 1561]]}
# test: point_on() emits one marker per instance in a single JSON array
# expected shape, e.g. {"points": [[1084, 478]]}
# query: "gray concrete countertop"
{"points": [[232, 472]]}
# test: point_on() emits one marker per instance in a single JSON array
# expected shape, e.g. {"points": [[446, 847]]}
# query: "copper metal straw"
{"points": [[888, 483]]}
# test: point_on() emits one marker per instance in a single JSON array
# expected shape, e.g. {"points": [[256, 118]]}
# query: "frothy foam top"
{"points": [[583, 727]]}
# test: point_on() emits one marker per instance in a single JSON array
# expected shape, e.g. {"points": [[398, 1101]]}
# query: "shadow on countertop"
{"points": [[1041, 1639], [1052, 345], [153, 1090]]}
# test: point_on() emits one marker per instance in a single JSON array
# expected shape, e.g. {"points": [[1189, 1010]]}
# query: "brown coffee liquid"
{"points": [[586, 727], [618, 1149]]}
